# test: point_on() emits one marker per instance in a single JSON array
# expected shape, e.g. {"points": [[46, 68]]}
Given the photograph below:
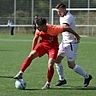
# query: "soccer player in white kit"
{"points": [[68, 48]]}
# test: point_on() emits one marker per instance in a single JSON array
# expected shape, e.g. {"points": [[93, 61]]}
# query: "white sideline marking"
{"points": [[87, 42], [15, 40], [19, 40]]}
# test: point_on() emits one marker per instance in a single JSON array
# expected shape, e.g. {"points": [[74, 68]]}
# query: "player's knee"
{"points": [[71, 64], [51, 64], [32, 54], [59, 59]]}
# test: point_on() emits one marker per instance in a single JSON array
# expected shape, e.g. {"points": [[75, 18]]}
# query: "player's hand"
{"points": [[78, 39]]}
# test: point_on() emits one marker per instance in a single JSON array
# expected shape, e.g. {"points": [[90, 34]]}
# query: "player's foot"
{"points": [[46, 86], [18, 76], [61, 82], [87, 81]]}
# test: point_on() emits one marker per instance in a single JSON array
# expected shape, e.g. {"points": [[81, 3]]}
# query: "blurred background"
{"points": [[21, 13]]}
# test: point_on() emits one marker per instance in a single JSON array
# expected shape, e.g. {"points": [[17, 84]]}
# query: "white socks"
{"points": [[59, 69], [80, 71], [77, 69]]}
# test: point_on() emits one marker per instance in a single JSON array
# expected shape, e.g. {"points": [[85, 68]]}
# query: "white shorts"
{"points": [[69, 50]]}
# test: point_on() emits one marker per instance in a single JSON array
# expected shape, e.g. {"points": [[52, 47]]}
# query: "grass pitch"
{"points": [[13, 50]]}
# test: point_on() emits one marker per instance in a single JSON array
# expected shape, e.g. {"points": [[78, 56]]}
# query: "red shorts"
{"points": [[51, 51]]}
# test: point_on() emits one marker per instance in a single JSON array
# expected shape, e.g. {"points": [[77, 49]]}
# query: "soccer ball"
{"points": [[20, 84]]}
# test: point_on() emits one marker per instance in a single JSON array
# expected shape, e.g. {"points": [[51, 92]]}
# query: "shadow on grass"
{"points": [[32, 89], [75, 88], [2, 50], [67, 88], [11, 77]]}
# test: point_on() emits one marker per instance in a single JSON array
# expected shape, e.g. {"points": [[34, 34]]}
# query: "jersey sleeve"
{"points": [[37, 32], [67, 20], [58, 29]]}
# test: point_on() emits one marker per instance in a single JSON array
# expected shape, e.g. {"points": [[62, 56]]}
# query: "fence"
{"points": [[22, 13]]}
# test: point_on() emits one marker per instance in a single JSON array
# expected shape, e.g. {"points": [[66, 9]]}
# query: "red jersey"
{"points": [[50, 37], [49, 41], [52, 30]]}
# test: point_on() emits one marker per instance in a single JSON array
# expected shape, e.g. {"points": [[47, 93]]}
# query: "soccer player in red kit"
{"points": [[48, 44]]}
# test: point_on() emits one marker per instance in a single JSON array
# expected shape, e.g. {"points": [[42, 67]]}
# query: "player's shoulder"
{"points": [[69, 15], [50, 26], [54, 29], [37, 32]]}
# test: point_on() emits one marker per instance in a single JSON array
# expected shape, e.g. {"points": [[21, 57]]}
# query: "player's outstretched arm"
{"points": [[73, 32], [35, 40]]}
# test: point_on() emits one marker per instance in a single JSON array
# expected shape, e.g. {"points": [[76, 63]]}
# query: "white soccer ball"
{"points": [[20, 84]]}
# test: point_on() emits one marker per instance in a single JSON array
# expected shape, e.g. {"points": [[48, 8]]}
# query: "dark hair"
{"points": [[61, 5], [41, 21]]}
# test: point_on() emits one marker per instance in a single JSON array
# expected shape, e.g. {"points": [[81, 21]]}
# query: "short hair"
{"points": [[61, 5], [41, 21]]}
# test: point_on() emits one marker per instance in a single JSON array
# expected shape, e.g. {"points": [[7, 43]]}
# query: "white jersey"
{"points": [[68, 19]]}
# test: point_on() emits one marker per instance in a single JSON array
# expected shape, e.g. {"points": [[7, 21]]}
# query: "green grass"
{"points": [[13, 50]]}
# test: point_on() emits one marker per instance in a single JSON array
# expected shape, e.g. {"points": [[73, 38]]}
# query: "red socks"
{"points": [[25, 64], [50, 73]]}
